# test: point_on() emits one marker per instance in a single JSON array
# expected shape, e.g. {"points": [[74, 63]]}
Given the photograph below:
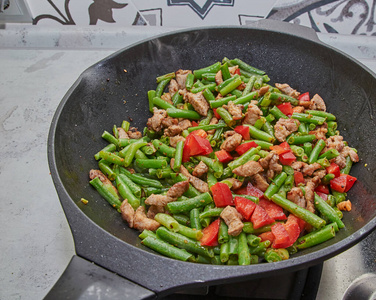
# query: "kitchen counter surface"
{"points": [[35, 240]]}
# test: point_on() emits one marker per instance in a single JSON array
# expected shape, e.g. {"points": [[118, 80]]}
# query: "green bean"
{"points": [[135, 189], [115, 131], [182, 113], [153, 190], [182, 219], [161, 86], [327, 211], [177, 98], [298, 151], [264, 145], [260, 135], [298, 211], [347, 168], [106, 192], [208, 94], [220, 102], [307, 148], [207, 119], [166, 150], [167, 249], [272, 255], [165, 76], [277, 98], [162, 103], [214, 68], [260, 249], [330, 154], [130, 152], [209, 77], [300, 139], [308, 118], [191, 233], [151, 96], [277, 113], [214, 165], [251, 198], [108, 148], [151, 163], [253, 240], [275, 185], [303, 129], [178, 156], [225, 71], [249, 85], [214, 212], [244, 99], [211, 179], [246, 67], [224, 254], [233, 245], [226, 116], [145, 233], [332, 127], [207, 127], [202, 260], [140, 155], [210, 86], [110, 138], [260, 123], [324, 162], [195, 219], [235, 82], [311, 126], [233, 260], [268, 128], [244, 256], [317, 237], [106, 169], [182, 206], [189, 81], [183, 242], [141, 180], [227, 82], [216, 260], [339, 196], [322, 114], [241, 160], [167, 221], [320, 145], [223, 236], [192, 191]]}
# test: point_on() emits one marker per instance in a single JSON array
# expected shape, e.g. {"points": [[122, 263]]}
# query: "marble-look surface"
{"points": [[35, 241]]}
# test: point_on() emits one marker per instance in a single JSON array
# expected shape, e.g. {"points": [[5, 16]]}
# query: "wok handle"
{"points": [[285, 27], [83, 280]]}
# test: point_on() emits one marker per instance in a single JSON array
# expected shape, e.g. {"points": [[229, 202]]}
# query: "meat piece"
{"points": [[172, 130], [264, 162], [252, 115], [297, 165], [103, 178], [178, 189], [250, 168], [218, 77], [169, 121], [200, 169], [166, 97], [134, 133], [263, 90], [334, 142], [153, 210], [319, 173], [284, 127], [271, 163], [233, 220], [347, 151], [141, 221], [122, 133], [241, 86], [200, 185], [231, 142], [198, 102], [127, 212], [233, 69], [184, 124], [158, 200], [308, 169], [310, 196], [155, 122], [175, 139], [234, 110], [287, 90], [235, 183], [181, 77], [296, 196], [173, 87], [213, 121], [344, 205], [320, 132], [259, 182], [340, 160], [317, 103], [299, 109]]}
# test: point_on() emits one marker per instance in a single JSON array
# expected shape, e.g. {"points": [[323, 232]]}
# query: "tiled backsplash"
{"points": [[333, 16]]}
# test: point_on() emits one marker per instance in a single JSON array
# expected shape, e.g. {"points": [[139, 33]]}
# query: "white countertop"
{"points": [[35, 240]]}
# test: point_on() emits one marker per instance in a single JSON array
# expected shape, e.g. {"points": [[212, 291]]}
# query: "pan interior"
{"points": [[115, 89]]}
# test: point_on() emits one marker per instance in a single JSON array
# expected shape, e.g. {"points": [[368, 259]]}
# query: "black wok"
{"points": [[105, 95]]}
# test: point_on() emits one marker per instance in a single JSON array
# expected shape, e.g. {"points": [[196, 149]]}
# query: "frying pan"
{"points": [[115, 89]]}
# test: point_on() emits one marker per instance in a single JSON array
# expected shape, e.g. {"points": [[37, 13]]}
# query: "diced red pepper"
{"points": [[287, 158], [243, 148], [304, 97], [322, 195], [194, 124], [281, 148], [267, 236], [250, 190], [321, 188], [350, 180], [244, 206], [292, 218], [200, 132], [273, 210], [293, 228], [338, 184], [222, 195], [195, 145], [237, 71], [223, 156], [210, 234], [244, 131], [333, 169], [281, 236], [260, 217], [285, 108], [216, 114], [298, 178]]}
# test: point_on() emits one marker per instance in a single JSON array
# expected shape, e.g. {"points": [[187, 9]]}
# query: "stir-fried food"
{"points": [[229, 169]]}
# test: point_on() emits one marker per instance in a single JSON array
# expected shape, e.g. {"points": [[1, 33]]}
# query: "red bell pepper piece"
{"points": [[216, 114], [272, 209], [195, 145], [222, 195], [244, 206], [281, 236], [322, 195], [267, 236], [294, 219], [244, 131], [281, 148], [194, 124], [350, 180], [333, 169], [298, 178], [250, 190], [237, 71], [201, 133], [243, 148], [338, 184], [293, 228], [321, 188], [287, 158], [210, 234], [223, 156], [260, 217], [304, 97], [285, 108]]}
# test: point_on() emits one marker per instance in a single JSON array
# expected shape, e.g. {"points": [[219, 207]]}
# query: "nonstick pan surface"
{"points": [[115, 89]]}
